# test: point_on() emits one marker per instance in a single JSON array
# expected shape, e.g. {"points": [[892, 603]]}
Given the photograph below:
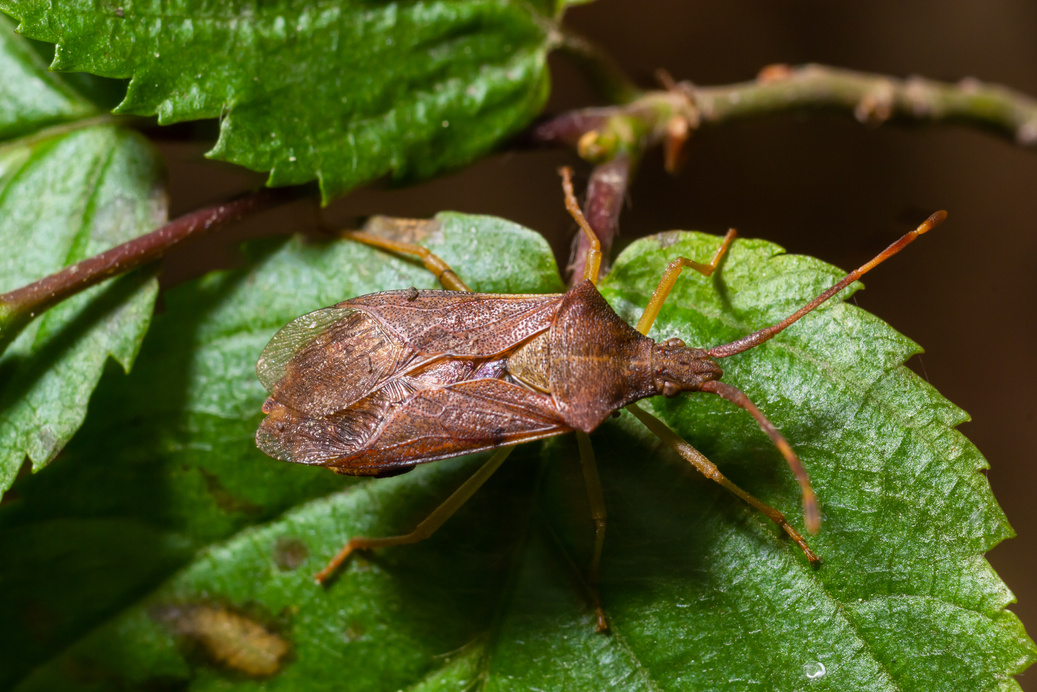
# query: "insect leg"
{"points": [[597, 504], [429, 525], [669, 278], [709, 470], [593, 266], [446, 276]]}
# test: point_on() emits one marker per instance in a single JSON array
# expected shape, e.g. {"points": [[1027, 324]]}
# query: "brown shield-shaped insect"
{"points": [[379, 383]]}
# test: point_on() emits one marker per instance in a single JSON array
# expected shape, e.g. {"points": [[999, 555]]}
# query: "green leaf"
{"points": [[31, 97], [70, 187], [166, 551], [344, 92]]}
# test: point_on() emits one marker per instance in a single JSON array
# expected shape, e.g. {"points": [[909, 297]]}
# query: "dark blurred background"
{"points": [[822, 185]]}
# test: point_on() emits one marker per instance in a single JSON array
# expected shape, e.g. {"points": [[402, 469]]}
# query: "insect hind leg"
{"points": [[710, 471], [428, 526], [442, 271]]}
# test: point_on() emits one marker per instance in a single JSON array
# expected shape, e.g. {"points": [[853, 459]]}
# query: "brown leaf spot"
{"points": [[289, 553], [226, 639], [354, 631]]}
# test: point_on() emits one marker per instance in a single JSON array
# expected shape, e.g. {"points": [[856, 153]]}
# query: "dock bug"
{"points": [[377, 384]]}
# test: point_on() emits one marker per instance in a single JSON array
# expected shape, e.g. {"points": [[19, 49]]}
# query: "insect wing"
{"points": [[452, 323], [329, 359], [401, 425], [467, 417], [392, 379], [292, 338]]}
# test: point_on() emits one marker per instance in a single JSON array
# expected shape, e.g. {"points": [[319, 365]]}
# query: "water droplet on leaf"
{"points": [[814, 670]]}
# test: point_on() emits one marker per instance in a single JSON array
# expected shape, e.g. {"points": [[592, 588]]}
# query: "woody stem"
{"points": [[614, 137], [21, 305]]}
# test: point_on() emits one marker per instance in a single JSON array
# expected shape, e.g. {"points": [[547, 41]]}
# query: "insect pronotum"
{"points": [[380, 383]]}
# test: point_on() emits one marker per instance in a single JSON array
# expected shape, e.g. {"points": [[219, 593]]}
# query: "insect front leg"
{"points": [[709, 470], [596, 500], [429, 525], [669, 278], [442, 271]]}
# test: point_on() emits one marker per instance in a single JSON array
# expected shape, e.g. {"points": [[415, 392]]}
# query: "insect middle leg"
{"points": [[426, 527], [710, 471]]}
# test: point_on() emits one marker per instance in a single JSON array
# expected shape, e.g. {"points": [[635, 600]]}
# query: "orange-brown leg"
{"points": [[429, 525], [442, 271], [669, 278], [709, 470], [593, 266]]}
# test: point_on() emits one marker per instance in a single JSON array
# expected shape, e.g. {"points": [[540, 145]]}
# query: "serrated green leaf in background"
{"points": [[66, 193], [31, 97], [344, 92], [166, 551]]}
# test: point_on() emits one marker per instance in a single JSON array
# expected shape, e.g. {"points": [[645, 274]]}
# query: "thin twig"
{"points": [[873, 99], [615, 137], [19, 306]]}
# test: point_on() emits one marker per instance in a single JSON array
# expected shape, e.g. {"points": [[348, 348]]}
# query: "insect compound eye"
{"points": [[674, 343], [670, 389]]}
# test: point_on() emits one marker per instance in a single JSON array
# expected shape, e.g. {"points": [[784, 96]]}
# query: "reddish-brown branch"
{"points": [[614, 137], [22, 304], [872, 99]]}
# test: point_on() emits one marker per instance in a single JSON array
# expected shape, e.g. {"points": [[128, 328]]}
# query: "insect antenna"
{"points": [[767, 333], [811, 515]]}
